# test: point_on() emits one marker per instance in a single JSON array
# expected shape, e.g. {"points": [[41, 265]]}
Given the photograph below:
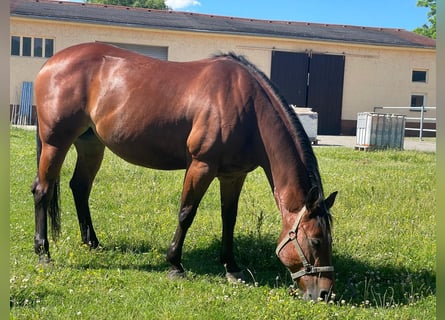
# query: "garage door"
{"points": [[314, 81], [149, 51]]}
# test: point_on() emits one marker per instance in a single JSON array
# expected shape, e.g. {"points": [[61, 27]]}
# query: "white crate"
{"points": [[309, 120], [380, 130]]}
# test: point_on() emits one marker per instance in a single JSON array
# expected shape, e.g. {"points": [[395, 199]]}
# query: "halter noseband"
{"points": [[292, 237]]}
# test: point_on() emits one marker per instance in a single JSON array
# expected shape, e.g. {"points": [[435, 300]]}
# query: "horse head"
{"points": [[305, 246]]}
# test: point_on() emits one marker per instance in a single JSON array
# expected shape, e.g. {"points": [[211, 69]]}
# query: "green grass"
{"points": [[384, 244]]}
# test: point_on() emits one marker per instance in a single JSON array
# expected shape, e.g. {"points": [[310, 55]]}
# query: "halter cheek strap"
{"points": [[292, 237]]}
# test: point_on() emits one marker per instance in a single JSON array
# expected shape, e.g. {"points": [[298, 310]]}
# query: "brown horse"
{"points": [[218, 117]]}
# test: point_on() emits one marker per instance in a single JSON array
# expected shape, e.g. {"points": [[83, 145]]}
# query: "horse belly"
{"points": [[164, 152]]}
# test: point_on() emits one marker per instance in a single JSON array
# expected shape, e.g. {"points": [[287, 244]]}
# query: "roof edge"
{"points": [[412, 39]]}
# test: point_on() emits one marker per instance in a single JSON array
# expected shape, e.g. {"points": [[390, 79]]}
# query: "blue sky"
{"points": [[402, 14]]}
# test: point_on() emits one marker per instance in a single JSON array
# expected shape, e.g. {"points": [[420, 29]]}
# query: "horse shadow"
{"points": [[357, 281]]}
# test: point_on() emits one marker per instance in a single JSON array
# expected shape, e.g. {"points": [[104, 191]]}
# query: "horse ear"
{"points": [[312, 199], [331, 199]]}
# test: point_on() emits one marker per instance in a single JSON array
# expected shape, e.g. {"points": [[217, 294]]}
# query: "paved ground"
{"points": [[428, 144]]}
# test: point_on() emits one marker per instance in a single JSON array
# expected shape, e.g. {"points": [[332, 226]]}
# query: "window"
{"points": [[38, 49], [15, 46], [419, 76], [26, 47], [49, 48], [417, 100], [32, 47]]}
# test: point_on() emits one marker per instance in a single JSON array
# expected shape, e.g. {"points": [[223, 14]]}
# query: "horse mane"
{"points": [[296, 129]]}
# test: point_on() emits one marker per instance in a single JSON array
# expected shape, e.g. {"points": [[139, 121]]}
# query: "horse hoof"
{"points": [[235, 277], [176, 274], [44, 259], [93, 244], [95, 247]]}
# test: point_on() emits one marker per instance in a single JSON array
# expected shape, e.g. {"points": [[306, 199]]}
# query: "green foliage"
{"points": [[384, 244], [428, 29], [150, 4]]}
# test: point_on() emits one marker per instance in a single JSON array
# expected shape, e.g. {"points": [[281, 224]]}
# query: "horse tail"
{"points": [[54, 198], [38, 143], [54, 210]]}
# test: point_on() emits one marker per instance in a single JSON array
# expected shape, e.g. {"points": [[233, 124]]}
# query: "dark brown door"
{"points": [[314, 81], [325, 91], [289, 73]]}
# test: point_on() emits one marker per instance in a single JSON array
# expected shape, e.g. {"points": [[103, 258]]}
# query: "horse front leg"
{"points": [[230, 189], [174, 254], [198, 177]]}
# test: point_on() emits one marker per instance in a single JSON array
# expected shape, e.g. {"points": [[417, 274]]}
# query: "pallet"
{"points": [[364, 148]]}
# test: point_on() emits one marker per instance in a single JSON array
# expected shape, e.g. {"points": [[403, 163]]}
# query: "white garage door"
{"points": [[150, 51]]}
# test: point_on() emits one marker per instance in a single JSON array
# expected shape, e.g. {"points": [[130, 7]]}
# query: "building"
{"points": [[337, 70]]}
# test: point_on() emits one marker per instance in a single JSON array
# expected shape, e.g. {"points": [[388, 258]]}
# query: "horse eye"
{"points": [[315, 242]]}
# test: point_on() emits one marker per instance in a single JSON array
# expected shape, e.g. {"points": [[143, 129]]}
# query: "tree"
{"points": [[149, 4], [428, 29]]}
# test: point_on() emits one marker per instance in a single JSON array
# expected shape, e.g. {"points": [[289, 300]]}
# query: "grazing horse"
{"points": [[218, 117]]}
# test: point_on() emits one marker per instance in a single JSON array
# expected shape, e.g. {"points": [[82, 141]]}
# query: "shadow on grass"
{"points": [[356, 281], [359, 281]]}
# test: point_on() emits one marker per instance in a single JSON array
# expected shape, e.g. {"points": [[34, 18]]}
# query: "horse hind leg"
{"points": [[45, 190], [90, 153]]}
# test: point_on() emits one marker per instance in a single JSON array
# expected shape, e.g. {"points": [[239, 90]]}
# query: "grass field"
{"points": [[384, 244]]}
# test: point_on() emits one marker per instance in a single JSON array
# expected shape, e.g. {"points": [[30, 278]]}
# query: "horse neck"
{"points": [[286, 155], [284, 161]]}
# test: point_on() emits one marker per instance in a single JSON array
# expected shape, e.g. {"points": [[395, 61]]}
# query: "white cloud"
{"points": [[180, 4]]}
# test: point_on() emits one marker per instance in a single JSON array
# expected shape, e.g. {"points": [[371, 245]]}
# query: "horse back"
{"points": [[174, 110]]}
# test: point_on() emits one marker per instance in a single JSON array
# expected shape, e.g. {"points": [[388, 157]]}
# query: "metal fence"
{"points": [[421, 119], [21, 113]]}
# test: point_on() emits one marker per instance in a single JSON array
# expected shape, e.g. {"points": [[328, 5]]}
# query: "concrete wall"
{"points": [[374, 75]]}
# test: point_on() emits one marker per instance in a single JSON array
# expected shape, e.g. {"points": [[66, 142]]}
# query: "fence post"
{"points": [[421, 118], [422, 115]]}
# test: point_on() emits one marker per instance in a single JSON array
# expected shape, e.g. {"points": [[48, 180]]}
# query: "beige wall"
{"points": [[374, 76], [382, 77]]}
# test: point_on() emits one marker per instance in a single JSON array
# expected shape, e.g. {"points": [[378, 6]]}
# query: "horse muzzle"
{"points": [[315, 288]]}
